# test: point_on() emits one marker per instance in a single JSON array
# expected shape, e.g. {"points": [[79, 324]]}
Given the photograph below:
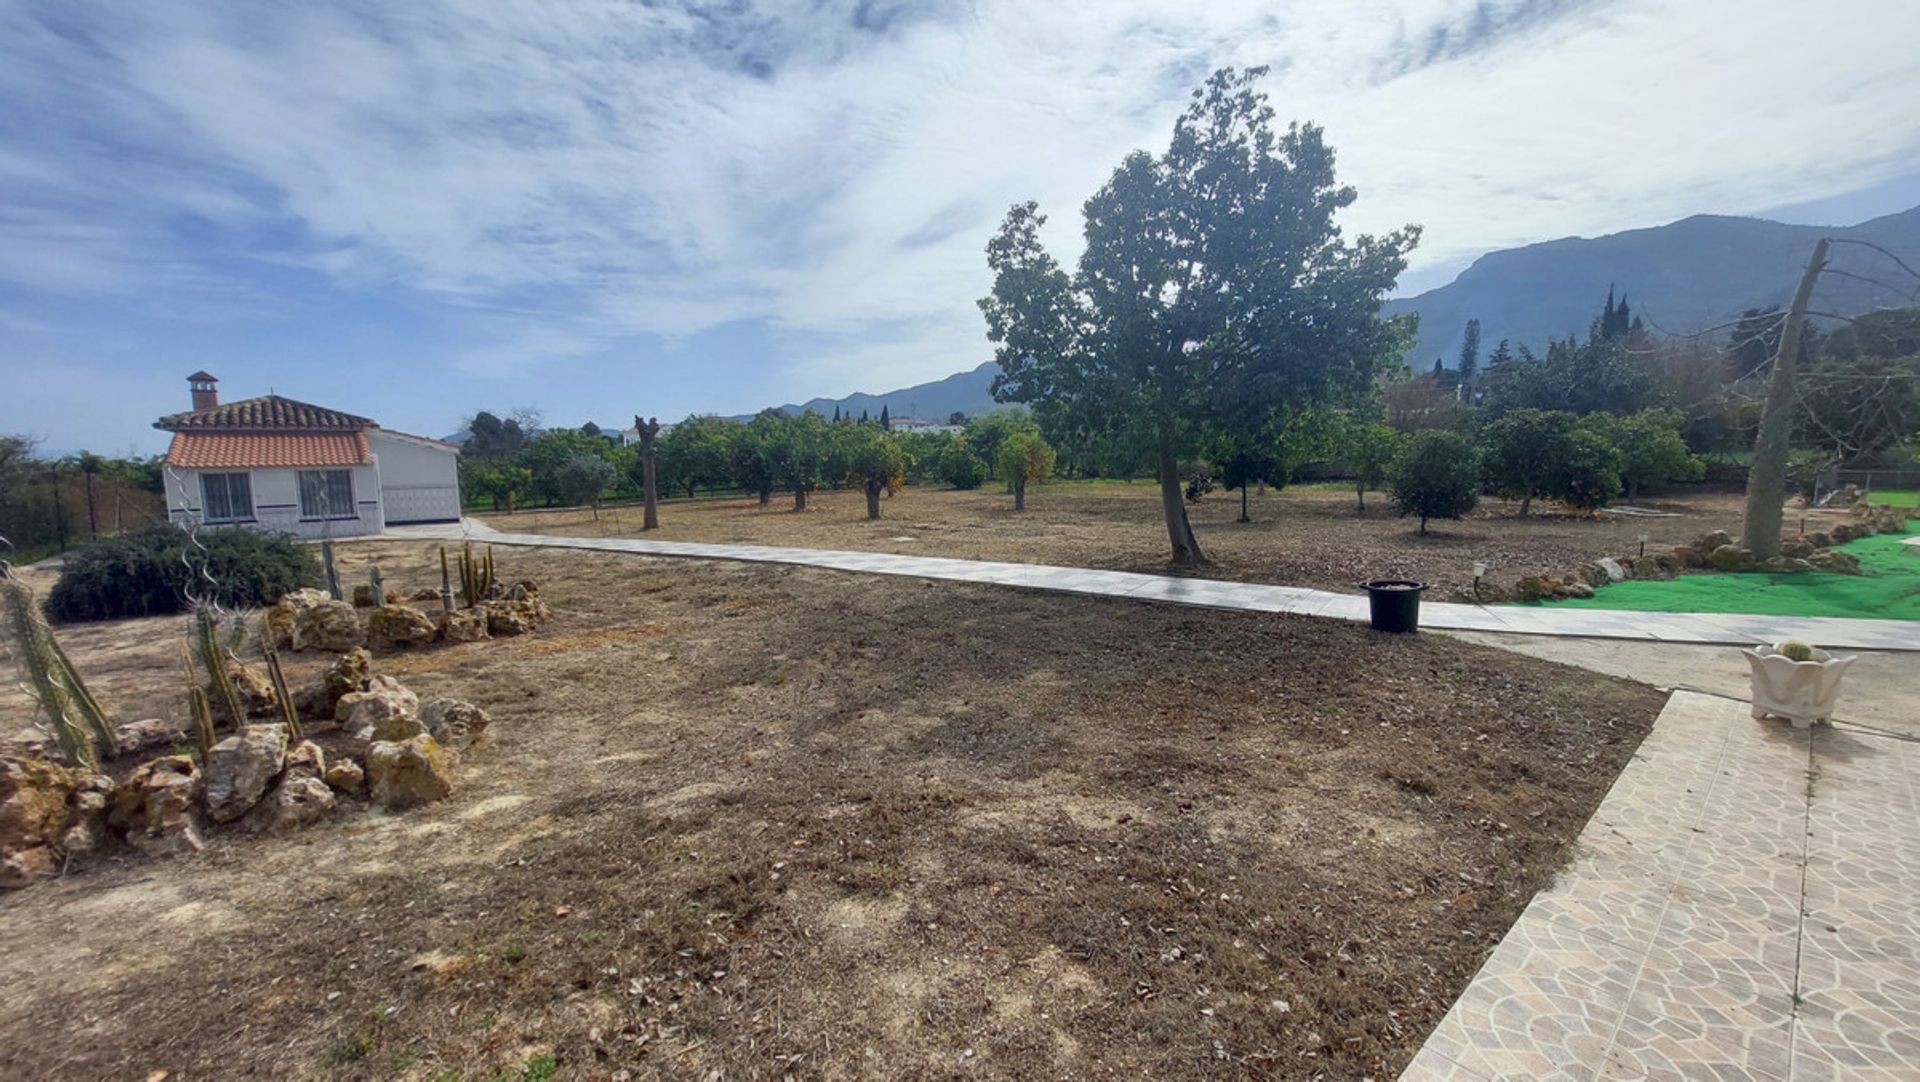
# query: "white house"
{"points": [[277, 464], [915, 424]]}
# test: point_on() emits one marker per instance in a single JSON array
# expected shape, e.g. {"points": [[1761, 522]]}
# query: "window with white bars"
{"points": [[326, 494], [226, 497]]}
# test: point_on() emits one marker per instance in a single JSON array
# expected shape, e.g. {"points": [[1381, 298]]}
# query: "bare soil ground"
{"points": [[746, 821], [1299, 537]]}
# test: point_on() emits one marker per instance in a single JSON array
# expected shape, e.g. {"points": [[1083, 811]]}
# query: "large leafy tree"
{"points": [[1024, 457], [1525, 453], [1214, 284], [699, 451], [869, 457]]}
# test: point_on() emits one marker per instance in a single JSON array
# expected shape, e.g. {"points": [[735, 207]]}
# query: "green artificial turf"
{"points": [[1897, 497], [1887, 588]]}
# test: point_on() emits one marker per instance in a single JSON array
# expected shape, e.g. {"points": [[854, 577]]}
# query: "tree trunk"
{"points": [[1360, 490], [766, 495], [873, 498], [799, 499], [1244, 517], [1767, 479], [1173, 505], [1526, 508], [648, 429], [93, 520], [1423, 525], [1020, 496]]}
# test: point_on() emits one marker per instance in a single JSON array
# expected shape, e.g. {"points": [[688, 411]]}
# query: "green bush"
{"points": [[149, 573], [961, 468], [1437, 477]]}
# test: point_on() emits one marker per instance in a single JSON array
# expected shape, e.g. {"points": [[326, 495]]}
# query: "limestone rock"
{"points": [[516, 616], [306, 759], [1714, 539], [1532, 588], [1844, 563], [455, 723], [463, 625], [21, 867], [1579, 589], [285, 614], [350, 672], [155, 806], [87, 813], [148, 733], [1613, 569], [363, 596], [346, 776], [1820, 539], [255, 687], [1785, 565], [239, 768], [1796, 547], [400, 625], [425, 593], [1689, 556], [34, 799], [1730, 558], [298, 801], [406, 773], [333, 626], [385, 711], [1847, 531]]}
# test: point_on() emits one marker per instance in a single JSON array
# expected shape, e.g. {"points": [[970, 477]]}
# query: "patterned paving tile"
{"points": [[1746, 904]]}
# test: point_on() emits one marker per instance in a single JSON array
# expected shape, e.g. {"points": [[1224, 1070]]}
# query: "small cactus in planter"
{"points": [[1795, 680]]}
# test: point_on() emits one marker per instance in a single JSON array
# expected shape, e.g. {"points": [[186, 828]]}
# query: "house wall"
{"points": [[419, 481], [276, 502]]}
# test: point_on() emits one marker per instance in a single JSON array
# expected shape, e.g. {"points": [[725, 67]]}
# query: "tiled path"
{"points": [[1829, 632], [1746, 905]]}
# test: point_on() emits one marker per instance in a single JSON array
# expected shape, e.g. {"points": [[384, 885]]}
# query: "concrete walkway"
{"points": [[1699, 628], [1746, 904]]}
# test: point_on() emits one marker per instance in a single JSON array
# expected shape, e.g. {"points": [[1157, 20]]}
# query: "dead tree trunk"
{"points": [[1173, 505], [874, 485], [648, 430], [1766, 481]]}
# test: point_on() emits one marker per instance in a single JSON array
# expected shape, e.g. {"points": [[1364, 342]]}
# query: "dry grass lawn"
{"points": [[1299, 536], [746, 821]]}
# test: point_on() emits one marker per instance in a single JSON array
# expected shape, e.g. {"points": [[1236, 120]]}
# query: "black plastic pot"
{"points": [[1394, 604]]}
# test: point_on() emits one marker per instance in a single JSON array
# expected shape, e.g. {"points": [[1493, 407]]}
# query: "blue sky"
{"points": [[416, 210]]}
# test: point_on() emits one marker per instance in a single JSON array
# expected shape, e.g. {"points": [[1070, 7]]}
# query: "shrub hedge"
{"points": [[149, 572]]}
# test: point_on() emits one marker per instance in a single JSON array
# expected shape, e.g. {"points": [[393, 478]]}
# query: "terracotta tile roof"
{"points": [[264, 414], [237, 450]]}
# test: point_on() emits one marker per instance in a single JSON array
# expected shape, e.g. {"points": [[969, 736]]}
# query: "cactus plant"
{"points": [[288, 715], [213, 654], [378, 584], [77, 721], [1794, 650]]}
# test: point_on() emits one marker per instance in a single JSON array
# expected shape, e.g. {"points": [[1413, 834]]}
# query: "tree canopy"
{"points": [[1214, 284]]}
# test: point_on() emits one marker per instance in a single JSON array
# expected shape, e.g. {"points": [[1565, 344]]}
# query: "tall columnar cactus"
{"points": [[213, 656], [378, 585], [333, 573], [78, 723], [446, 583], [476, 575], [288, 715]]}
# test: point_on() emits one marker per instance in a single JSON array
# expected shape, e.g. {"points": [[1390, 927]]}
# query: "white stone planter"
{"points": [[1803, 692]]}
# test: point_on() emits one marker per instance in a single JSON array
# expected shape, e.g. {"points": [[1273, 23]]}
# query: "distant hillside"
{"points": [[965, 392], [1683, 277]]}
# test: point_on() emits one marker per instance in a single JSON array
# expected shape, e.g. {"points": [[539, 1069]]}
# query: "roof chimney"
{"points": [[205, 397]]}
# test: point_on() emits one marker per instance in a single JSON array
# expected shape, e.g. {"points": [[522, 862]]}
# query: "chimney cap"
{"points": [[203, 376]]}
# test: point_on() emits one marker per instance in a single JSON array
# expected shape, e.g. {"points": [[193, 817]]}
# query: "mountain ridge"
{"points": [[1682, 277]]}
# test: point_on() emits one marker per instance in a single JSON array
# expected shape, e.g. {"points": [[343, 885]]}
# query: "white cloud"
{"points": [[583, 172]]}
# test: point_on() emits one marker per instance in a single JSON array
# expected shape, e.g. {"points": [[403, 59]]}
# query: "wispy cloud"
{"points": [[562, 178]]}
